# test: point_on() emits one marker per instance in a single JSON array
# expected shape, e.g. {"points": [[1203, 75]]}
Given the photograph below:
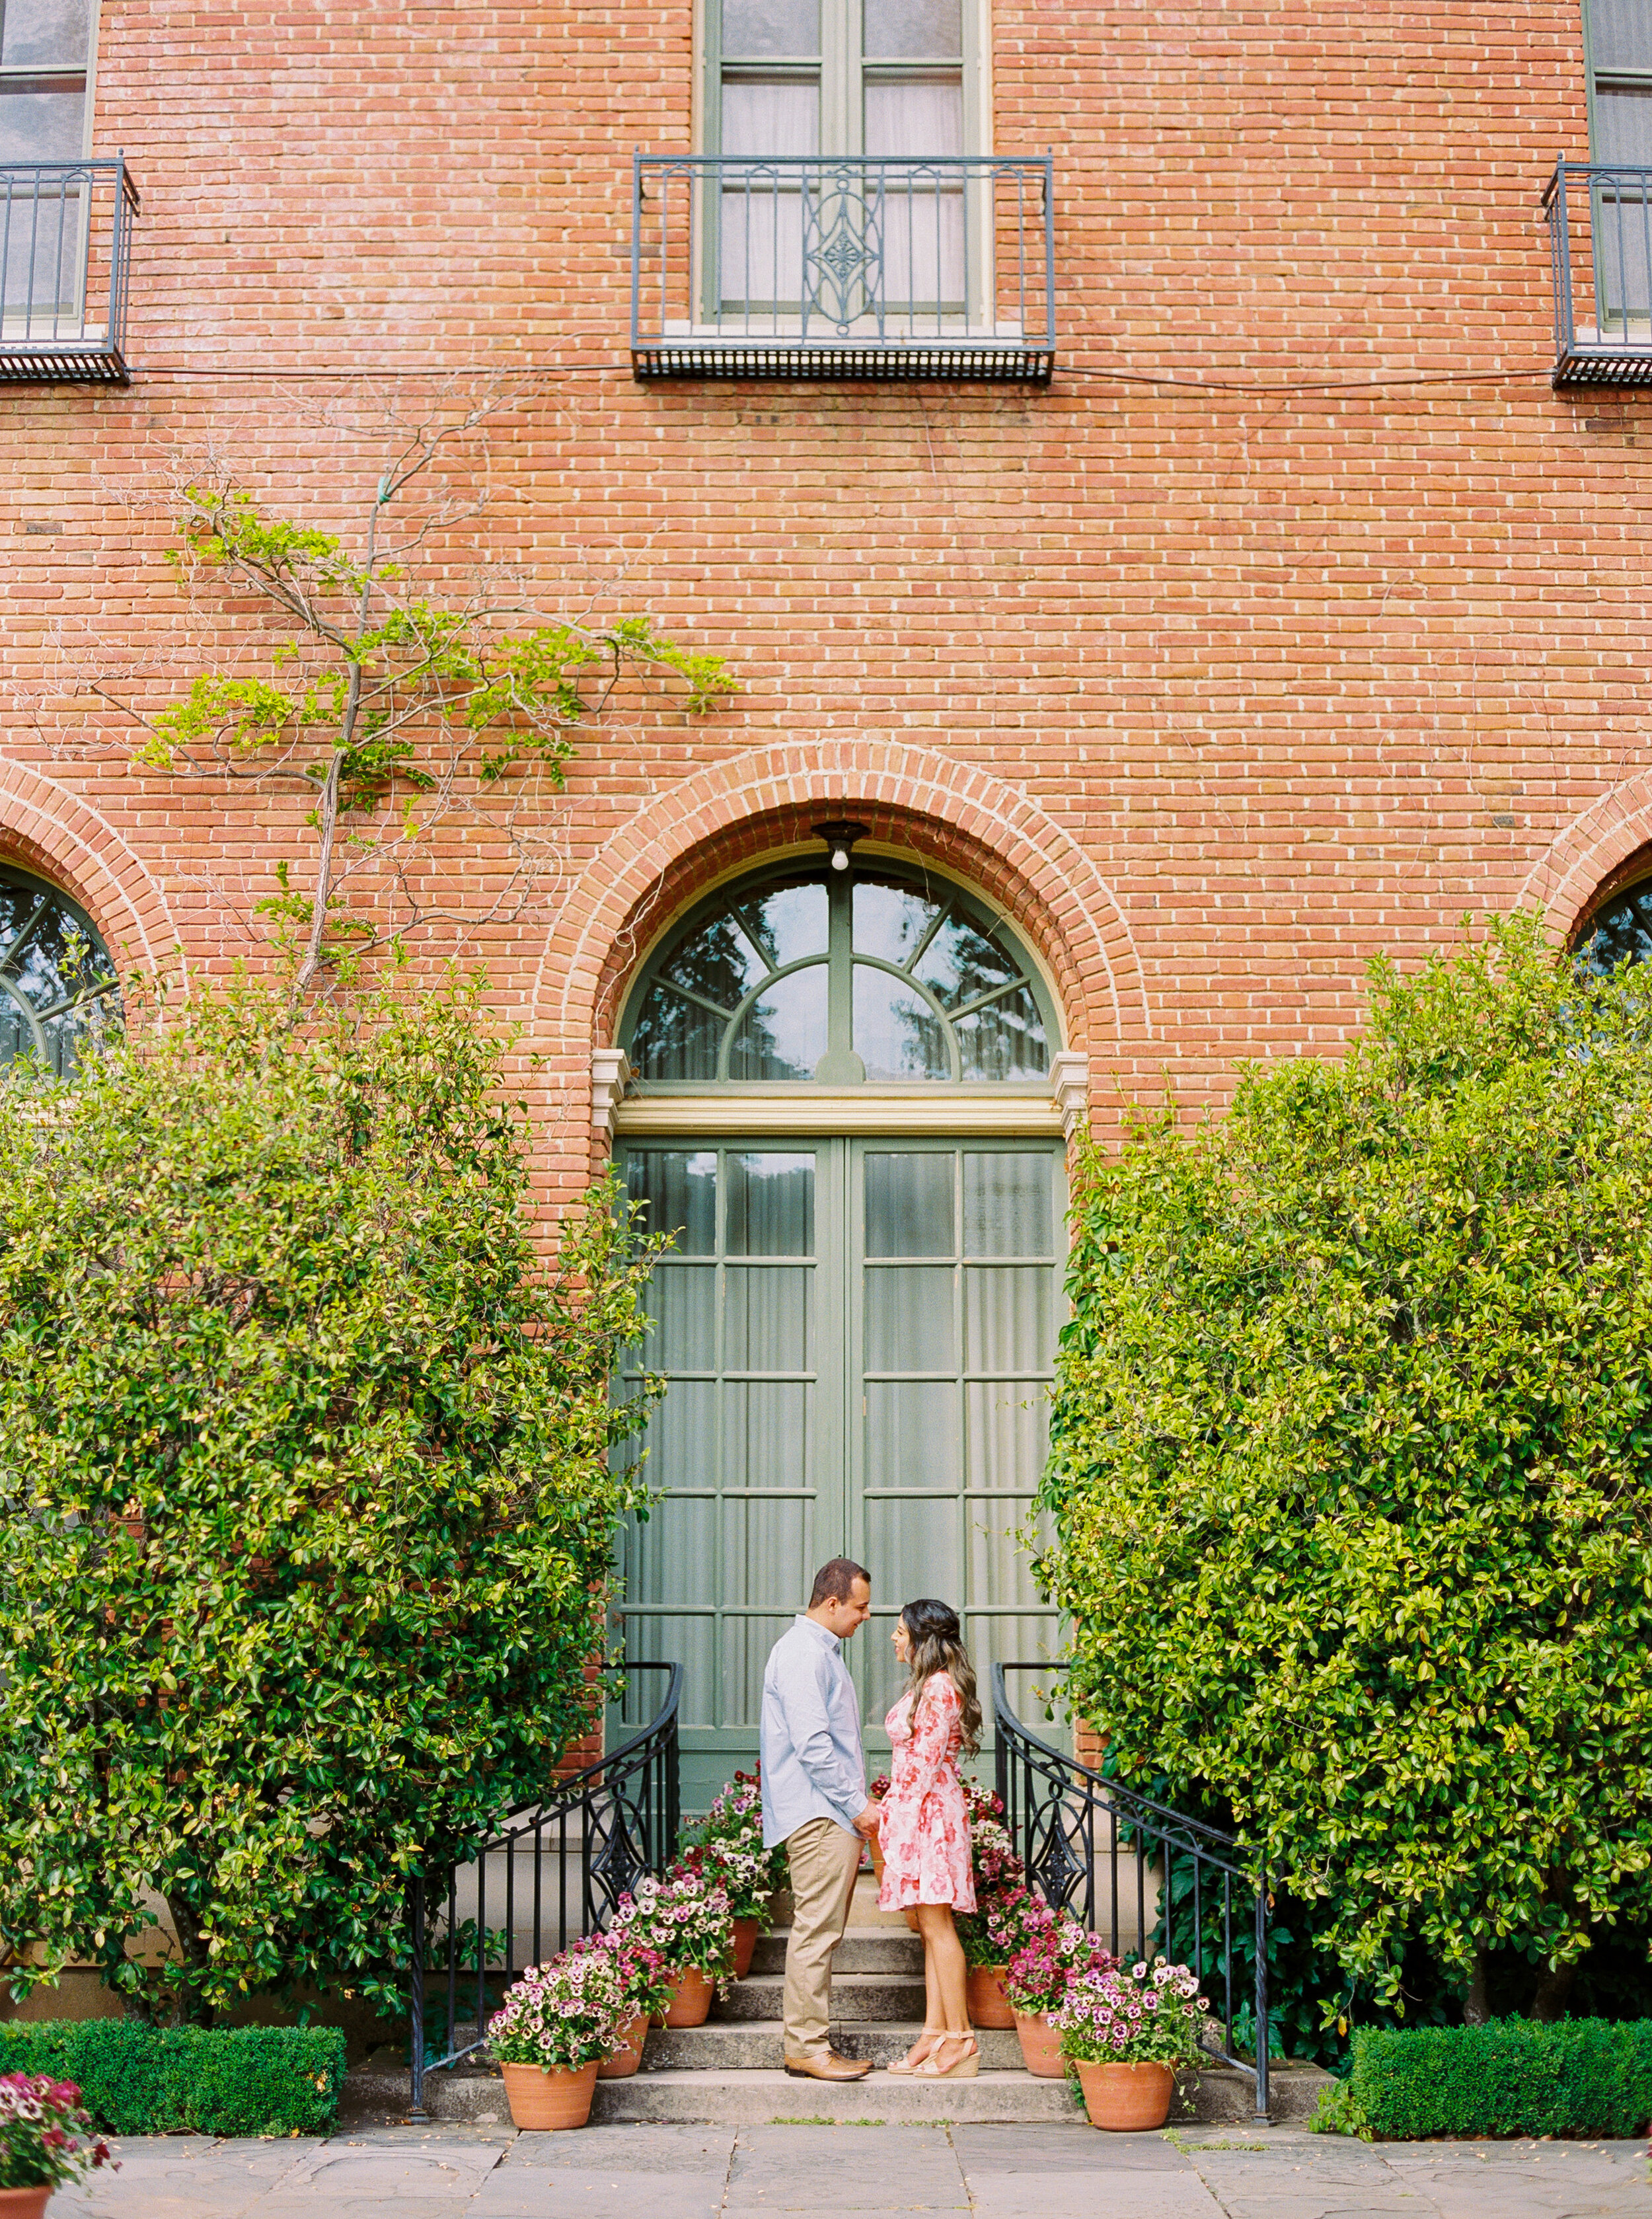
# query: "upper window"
{"points": [[894, 79], [46, 59], [1619, 930], [1618, 43], [57, 983], [839, 977], [844, 216]]}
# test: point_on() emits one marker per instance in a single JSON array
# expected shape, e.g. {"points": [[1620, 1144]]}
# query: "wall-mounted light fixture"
{"points": [[840, 838]]}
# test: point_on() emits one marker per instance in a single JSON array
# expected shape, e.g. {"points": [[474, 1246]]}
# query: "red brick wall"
{"points": [[1299, 618]]}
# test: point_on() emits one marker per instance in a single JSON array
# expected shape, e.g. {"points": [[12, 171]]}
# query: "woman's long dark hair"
{"points": [[937, 1642]]}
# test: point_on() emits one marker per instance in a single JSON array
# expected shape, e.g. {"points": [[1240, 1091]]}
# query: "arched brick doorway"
{"points": [[842, 1111]]}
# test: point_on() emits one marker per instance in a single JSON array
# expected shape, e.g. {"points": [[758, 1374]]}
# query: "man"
{"points": [[815, 1801]]}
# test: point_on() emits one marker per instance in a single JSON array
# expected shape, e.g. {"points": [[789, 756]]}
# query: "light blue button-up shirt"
{"points": [[812, 1761]]}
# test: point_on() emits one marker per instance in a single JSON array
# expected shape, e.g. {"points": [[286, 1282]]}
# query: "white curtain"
{"points": [[761, 244], [913, 119]]}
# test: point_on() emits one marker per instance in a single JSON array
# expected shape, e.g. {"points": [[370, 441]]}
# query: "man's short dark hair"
{"points": [[834, 1581]]}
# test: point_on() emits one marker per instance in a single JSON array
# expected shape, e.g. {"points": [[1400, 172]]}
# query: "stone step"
{"points": [[855, 1995], [863, 1949], [377, 2094], [759, 2046], [758, 2098], [864, 1911]]}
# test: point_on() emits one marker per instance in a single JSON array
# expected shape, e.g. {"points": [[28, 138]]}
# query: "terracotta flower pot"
{"points": [[746, 1931], [875, 1851], [1126, 2098], [691, 2001], [24, 2202], [549, 2099], [987, 2003], [1041, 2047], [625, 2062]]}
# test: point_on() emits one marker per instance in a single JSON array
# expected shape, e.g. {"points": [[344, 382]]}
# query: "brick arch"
{"points": [[1595, 847], [45, 827], [974, 826]]}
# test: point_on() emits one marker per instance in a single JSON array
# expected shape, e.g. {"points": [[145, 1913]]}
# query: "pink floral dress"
{"points": [[923, 1826]]}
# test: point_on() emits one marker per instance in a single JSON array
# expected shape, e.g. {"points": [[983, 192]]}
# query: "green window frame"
{"points": [[48, 52], [879, 974], [1617, 929], [858, 1334], [1618, 62], [841, 51], [58, 984]]}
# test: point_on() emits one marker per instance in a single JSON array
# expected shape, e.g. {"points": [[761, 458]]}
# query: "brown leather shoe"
{"points": [[831, 2066]]}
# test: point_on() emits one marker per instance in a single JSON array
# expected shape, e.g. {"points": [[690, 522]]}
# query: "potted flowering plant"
{"points": [[729, 1854], [1036, 1984], [1129, 2030], [1007, 1917], [993, 1857], [983, 1805], [47, 2139], [556, 2026], [686, 1918], [647, 1985]]}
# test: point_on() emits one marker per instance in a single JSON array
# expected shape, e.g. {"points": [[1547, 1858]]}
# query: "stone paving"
{"points": [[1008, 2173]]}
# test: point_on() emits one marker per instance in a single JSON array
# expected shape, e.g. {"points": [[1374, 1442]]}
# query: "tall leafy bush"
{"points": [[306, 1496], [1352, 1439]]}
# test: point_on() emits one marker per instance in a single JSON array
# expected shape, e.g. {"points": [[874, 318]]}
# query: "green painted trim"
{"points": [[837, 1485]]}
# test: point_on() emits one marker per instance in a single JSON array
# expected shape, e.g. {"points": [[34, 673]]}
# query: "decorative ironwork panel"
{"points": [[1090, 1844], [65, 248], [844, 267], [1599, 219], [556, 1869]]}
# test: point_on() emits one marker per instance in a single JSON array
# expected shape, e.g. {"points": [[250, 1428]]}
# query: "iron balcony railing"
{"points": [[1142, 1876], [1599, 219], [863, 267], [65, 250], [554, 1871]]}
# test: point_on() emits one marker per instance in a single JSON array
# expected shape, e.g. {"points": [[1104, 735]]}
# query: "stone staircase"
{"points": [[729, 2071]]}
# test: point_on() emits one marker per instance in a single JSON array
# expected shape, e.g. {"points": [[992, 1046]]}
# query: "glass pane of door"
{"points": [[745, 1445], [859, 1338], [954, 1296]]}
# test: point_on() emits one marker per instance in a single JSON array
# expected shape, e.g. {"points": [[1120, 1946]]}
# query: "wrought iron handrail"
{"points": [[843, 265], [603, 1828], [1611, 204], [1055, 1808], [65, 249]]}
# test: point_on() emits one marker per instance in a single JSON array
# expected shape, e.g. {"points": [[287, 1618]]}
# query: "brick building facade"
{"points": [[1297, 616]]}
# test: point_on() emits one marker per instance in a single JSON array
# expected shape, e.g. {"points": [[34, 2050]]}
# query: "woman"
{"points": [[924, 1827]]}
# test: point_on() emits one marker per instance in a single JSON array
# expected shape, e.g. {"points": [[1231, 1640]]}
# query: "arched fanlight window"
{"points": [[866, 972], [57, 983], [1619, 930]]}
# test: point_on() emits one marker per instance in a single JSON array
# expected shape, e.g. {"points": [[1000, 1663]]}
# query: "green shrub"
{"points": [[1513, 2076], [140, 2079], [1351, 1479], [307, 1498]]}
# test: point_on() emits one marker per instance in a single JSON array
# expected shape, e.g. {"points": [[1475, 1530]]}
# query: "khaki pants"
{"points": [[823, 1861]]}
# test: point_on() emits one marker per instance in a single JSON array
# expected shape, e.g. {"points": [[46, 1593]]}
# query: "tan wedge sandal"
{"points": [[964, 2067], [904, 2068]]}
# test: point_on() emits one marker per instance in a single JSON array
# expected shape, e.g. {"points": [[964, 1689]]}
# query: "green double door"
{"points": [[858, 1336]]}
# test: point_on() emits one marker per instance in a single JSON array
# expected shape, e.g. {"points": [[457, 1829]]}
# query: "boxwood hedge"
{"points": [[142, 2080], [1513, 2076]]}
